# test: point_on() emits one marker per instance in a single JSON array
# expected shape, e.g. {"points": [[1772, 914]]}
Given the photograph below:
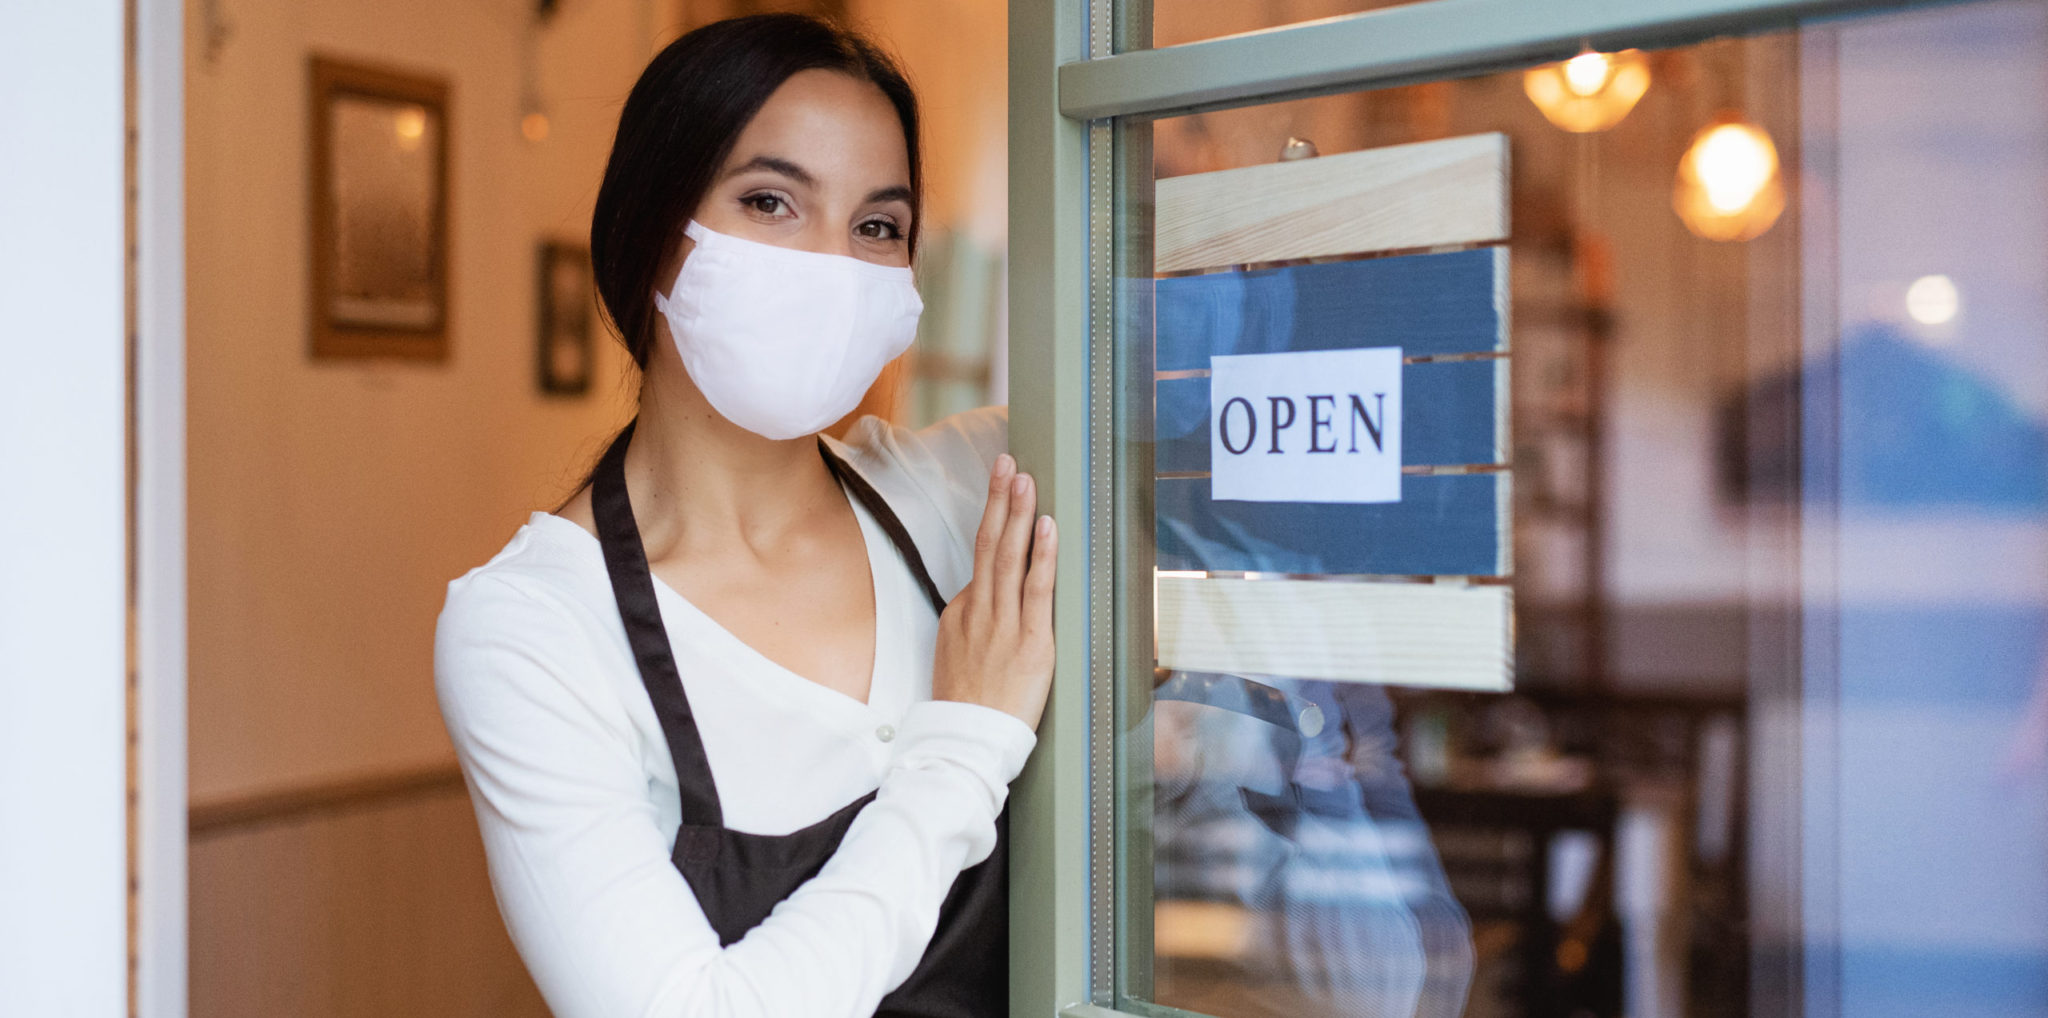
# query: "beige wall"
{"points": [[331, 501], [955, 53]]}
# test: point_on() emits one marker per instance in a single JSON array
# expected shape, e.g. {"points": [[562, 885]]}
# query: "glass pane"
{"points": [[1719, 372], [1172, 22]]}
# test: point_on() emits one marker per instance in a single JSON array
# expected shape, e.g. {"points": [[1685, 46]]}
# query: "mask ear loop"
{"points": [[661, 300], [695, 231]]}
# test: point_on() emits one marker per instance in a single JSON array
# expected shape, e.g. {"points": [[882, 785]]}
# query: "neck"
{"points": [[699, 481]]}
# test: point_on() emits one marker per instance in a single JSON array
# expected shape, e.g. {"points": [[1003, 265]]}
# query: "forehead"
{"points": [[830, 123]]}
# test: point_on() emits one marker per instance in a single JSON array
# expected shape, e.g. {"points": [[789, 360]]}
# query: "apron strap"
{"points": [[891, 525], [625, 558]]}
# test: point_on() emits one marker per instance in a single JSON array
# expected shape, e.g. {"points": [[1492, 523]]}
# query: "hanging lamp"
{"points": [[1729, 187], [1590, 92]]}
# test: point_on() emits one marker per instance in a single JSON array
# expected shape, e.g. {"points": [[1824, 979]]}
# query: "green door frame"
{"points": [[1065, 83]]}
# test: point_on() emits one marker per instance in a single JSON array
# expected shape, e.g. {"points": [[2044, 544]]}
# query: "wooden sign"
{"points": [[1402, 197], [1315, 583], [1421, 634], [1432, 307]]}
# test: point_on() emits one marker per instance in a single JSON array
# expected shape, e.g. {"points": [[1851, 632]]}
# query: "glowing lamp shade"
{"points": [[1728, 186], [1591, 91]]}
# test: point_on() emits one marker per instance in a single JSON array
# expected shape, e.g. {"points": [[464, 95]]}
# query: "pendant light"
{"points": [[1590, 92], [1729, 186], [534, 125]]}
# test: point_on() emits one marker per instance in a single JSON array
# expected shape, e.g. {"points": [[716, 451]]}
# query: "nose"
{"points": [[820, 237]]}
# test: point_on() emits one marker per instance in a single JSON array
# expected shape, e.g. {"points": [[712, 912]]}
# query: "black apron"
{"points": [[739, 877]]}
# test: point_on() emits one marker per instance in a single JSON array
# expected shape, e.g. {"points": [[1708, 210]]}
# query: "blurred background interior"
{"points": [[1777, 309], [335, 867]]}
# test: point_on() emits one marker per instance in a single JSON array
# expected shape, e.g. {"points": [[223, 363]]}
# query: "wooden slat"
{"points": [[1438, 636], [1447, 419], [322, 797], [1445, 525], [1422, 195], [1428, 305], [380, 909]]}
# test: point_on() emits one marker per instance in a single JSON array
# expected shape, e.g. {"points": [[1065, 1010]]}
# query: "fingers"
{"points": [[1011, 552], [1037, 607], [993, 518]]}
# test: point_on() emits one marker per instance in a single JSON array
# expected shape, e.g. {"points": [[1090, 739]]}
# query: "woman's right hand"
{"points": [[995, 639]]}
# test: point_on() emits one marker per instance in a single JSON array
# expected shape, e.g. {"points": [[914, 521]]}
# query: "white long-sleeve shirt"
{"points": [[576, 795]]}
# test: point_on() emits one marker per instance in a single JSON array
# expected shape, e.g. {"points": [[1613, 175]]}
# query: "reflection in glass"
{"points": [[1778, 742], [1294, 875]]}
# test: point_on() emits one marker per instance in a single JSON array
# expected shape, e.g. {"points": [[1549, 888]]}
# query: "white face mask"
{"points": [[785, 342]]}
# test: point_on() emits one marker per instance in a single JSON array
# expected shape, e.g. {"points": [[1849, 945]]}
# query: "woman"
{"points": [[738, 720]]}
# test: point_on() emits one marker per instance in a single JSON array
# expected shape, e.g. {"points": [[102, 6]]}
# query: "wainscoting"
{"points": [[361, 900]]}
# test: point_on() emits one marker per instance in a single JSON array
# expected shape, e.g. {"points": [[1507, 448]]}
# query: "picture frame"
{"points": [[567, 306], [378, 210]]}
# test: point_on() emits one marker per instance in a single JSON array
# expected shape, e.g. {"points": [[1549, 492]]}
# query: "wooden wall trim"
{"points": [[324, 797]]}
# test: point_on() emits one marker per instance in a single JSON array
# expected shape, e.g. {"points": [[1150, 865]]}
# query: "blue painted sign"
{"points": [[1429, 306], [1443, 525]]}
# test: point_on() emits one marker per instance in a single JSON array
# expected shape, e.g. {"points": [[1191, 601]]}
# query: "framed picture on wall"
{"points": [[567, 305], [379, 212]]}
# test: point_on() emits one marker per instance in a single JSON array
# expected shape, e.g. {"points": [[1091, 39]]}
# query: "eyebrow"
{"points": [[777, 164], [882, 194]]}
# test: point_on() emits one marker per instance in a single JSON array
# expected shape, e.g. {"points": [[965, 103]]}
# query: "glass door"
{"points": [[1566, 499]]}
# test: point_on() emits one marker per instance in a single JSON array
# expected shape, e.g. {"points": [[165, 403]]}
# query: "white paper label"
{"points": [[1315, 426]]}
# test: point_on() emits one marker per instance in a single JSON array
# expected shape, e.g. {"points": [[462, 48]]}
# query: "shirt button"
{"points": [[886, 732]]}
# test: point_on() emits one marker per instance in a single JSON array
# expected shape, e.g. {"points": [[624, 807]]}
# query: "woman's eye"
{"points": [[879, 229], [766, 204]]}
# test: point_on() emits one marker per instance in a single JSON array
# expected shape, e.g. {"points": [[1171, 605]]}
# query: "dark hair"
{"points": [[679, 126]]}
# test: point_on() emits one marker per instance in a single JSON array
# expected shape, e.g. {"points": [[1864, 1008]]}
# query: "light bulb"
{"points": [[1728, 182], [1735, 161], [534, 126], [1590, 92], [1933, 300], [1586, 73]]}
